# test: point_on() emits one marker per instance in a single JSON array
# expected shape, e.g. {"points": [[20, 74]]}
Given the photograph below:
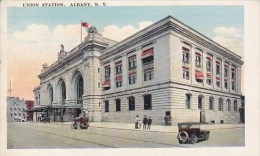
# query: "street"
{"points": [[28, 135]]}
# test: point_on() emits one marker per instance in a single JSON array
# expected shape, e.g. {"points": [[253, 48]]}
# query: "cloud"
{"points": [[115, 33], [29, 49], [231, 38]]}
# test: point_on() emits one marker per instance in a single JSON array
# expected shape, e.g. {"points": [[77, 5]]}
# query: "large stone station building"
{"points": [[165, 70]]}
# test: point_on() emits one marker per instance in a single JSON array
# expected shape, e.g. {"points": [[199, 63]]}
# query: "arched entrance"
{"points": [[78, 91]]}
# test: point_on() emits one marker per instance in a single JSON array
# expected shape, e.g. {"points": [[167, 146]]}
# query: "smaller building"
{"points": [[29, 106], [16, 109]]}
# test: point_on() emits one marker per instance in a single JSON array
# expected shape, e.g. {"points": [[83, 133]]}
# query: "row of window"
{"points": [[20, 109], [147, 64], [211, 103], [19, 114], [131, 103], [199, 74]]}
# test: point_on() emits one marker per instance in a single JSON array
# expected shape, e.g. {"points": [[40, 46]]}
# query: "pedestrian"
{"points": [[137, 122], [149, 122], [145, 122]]}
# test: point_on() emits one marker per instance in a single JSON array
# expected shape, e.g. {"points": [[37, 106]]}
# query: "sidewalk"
{"points": [[155, 128]]}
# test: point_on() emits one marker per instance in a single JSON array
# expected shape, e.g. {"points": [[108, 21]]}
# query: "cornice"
{"points": [[73, 57], [169, 24]]}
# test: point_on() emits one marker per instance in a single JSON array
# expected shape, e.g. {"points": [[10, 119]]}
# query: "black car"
{"points": [[191, 132]]}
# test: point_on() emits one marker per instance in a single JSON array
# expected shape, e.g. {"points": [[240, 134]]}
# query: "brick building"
{"points": [[166, 69], [29, 106]]}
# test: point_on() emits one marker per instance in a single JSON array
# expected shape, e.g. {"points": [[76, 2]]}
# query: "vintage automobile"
{"points": [[80, 123], [191, 132]]}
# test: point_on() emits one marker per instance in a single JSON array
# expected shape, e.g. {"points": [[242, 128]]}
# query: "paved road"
{"points": [[40, 135]]}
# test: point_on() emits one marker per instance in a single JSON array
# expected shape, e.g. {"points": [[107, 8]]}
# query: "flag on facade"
{"points": [[85, 24]]}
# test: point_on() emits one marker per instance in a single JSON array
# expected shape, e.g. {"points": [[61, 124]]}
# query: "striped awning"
{"points": [[147, 53], [106, 84], [199, 75]]}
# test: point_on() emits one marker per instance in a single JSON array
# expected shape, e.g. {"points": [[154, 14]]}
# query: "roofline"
{"points": [[166, 20]]}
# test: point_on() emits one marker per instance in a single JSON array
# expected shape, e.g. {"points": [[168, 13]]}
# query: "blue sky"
{"points": [[202, 18]]}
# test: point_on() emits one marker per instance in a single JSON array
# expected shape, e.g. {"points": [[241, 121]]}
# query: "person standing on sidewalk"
{"points": [[149, 122], [137, 122], [145, 122]]}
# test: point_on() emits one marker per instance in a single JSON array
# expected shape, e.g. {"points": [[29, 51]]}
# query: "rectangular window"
{"points": [[132, 78], [188, 101], [107, 72], [132, 62], [148, 75], [106, 106], [147, 102], [118, 105], [185, 55], [218, 67], [233, 73], [118, 68], [198, 60], [185, 73], [226, 72], [220, 104], [209, 63], [211, 103], [148, 68], [118, 84], [131, 103], [226, 84], [217, 82]]}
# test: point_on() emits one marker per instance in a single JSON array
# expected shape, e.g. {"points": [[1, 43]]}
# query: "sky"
{"points": [[35, 34]]}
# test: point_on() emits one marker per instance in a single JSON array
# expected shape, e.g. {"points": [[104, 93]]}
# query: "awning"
{"points": [[209, 58], [185, 49], [199, 75], [197, 53], [131, 73], [208, 75], [118, 77], [147, 53], [106, 84], [217, 78]]}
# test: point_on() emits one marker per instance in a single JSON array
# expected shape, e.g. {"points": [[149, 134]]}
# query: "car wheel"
{"points": [[194, 139], [183, 136], [207, 136]]}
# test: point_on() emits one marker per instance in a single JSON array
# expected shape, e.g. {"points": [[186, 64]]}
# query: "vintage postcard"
{"points": [[134, 77]]}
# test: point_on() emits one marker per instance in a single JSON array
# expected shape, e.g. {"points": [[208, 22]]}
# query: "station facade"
{"points": [[165, 70]]}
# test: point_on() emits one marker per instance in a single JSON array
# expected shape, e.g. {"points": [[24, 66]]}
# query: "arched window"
{"points": [[79, 89], [50, 95], [63, 92], [131, 103], [235, 105], [147, 101], [228, 105], [220, 104], [211, 103]]}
